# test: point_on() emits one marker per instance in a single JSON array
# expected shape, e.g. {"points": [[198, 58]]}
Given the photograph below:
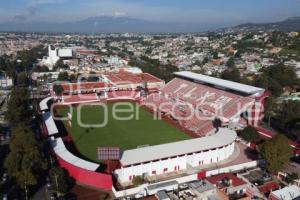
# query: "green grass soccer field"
{"points": [[141, 129]]}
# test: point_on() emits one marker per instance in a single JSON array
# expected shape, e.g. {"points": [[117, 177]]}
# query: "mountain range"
{"points": [[290, 24], [105, 24]]}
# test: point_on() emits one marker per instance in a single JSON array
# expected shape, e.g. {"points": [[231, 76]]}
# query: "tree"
{"points": [[276, 77], [92, 77], [18, 106], [72, 78], [137, 180], [217, 123], [264, 81], [291, 177], [285, 76], [60, 181], [230, 62], [205, 60], [231, 74], [269, 109], [276, 152], [38, 68], [60, 65], [29, 57], [24, 163], [215, 55], [289, 113], [238, 54], [58, 89], [22, 79], [249, 134], [63, 76]]}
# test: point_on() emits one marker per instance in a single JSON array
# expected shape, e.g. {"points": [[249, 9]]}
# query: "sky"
{"points": [[217, 12]]}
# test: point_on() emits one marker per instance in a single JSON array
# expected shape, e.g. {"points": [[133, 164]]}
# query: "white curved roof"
{"points": [[248, 89], [44, 103], [134, 156], [58, 145], [50, 124], [61, 151]]}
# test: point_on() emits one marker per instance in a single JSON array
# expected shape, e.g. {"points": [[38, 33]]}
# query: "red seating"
{"points": [[122, 77], [84, 86], [123, 94], [79, 98], [182, 98]]}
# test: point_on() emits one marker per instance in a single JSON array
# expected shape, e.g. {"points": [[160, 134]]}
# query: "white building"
{"points": [[287, 193], [171, 157], [54, 54], [5, 82]]}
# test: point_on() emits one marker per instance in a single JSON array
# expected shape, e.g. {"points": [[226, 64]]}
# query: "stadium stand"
{"points": [[60, 150], [117, 80], [83, 171], [80, 98], [123, 94], [204, 98], [84, 87], [159, 159], [124, 76]]}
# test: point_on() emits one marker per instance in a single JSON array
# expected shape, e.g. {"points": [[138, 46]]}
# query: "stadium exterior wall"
{"points": [[257, 110], [126, 174], [82, 176], [93, 179], [140, 190]]}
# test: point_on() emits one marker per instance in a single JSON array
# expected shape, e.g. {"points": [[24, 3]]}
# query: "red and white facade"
{"points": [[172, 157]]}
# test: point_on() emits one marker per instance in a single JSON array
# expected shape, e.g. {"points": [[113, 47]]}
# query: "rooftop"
{"points": [[150, 153], [50, 124], [61, 151], [44, 104], [201, 186], [235, 181], [220, 82], [287, 193]]}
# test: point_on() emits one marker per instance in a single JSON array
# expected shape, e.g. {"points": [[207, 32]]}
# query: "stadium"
{"points": [[171, 129]]}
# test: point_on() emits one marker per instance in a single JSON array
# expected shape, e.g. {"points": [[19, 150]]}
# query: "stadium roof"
{"points": [[61, 151], [50, 124], [44, 104], [145, 154], [220, 82]]}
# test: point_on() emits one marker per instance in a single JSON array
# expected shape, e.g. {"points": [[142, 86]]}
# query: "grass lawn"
{"points": [[142, 129]]}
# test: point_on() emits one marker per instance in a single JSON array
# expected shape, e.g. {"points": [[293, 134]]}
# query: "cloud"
{"points": [[158, 12], [119, 14], [20, 18], [167, 11], [43, 2], [32, 10]]}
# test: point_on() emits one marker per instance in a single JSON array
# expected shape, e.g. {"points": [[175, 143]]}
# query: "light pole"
{"points": [[26, 192], [56, 183]]}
